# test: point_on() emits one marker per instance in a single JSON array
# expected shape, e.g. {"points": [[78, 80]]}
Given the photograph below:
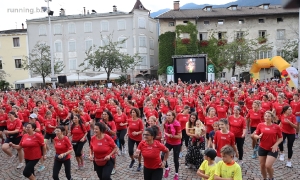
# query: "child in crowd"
{"points": [[198, 131], [228, 168], [212, 134], [208, 166]]}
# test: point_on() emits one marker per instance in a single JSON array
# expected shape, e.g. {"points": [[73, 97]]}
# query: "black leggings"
{"points": [[185, 138], [290, 143], [153, 174], [176, 151], [240, 146], [57, 166], [29, 167], [121, 134], [78, 148], [104, 172], [131, 143], [88, 136]]}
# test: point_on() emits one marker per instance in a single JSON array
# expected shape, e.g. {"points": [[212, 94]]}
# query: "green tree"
{"points": [[4, 85], [39, 62], [290, 51], [109, 57], [166, 51], [186, 45]]}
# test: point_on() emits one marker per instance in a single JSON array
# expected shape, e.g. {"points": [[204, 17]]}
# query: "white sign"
{"points": [[211, 77]]}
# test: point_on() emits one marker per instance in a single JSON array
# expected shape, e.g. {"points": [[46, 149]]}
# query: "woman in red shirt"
{"points": [[13, 135], [98, 111], [209, 120], [200, 109], [3, 119], [134, 131], [102, 151], [222, 109], [78, 133], [173, 138], [237, 125], [50, 125], [270, 137], [153, 122], [179, 107], [121, 126], [150, 150], [277, 107], [288, 126], [183, 118], [63, 150], [31, 142], [266, 105]]}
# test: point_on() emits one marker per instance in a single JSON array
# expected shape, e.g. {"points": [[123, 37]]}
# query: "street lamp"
{"points": [[50, 43]]}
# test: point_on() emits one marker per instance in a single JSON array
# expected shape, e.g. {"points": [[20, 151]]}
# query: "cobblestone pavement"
{"points": [[250, 168]]}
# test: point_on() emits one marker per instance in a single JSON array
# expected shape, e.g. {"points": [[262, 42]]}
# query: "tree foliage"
{"points": [[4, 85], [166, 51], [186, 45], [290, 51], [39, 62], [109, 57]]}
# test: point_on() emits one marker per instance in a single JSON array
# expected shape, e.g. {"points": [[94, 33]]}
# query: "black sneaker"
{"points": [[131, 164], [139, 168]]}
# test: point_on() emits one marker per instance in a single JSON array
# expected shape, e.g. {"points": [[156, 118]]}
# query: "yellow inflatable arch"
{"points": [[277, 62]]}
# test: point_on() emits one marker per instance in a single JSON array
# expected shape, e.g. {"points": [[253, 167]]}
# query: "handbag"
{"points": [[59, 159], [100, 162]]}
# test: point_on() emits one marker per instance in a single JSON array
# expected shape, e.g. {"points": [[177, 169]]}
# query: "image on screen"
{"points": [[190, 65]]}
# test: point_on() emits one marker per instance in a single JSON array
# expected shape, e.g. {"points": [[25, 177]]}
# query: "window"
{"points": [[151, 44], [234, 8], [279, 20], [151, 26], [142, 23], [57, 29], [151, 59], [71, 28], [264, 54], [123, 45], [104, 41], [220, 22], [57, 47], [261, 20], [1, 64], [72, 46], [221, 35], [104, 26], [72, 64], [42, 30], [241, 21], [280, 34], [223, 74], [239, 34], [143, 60], [88, 44], [266, 6], [185, 21], [88, 27], [279, 53], [16, 42], [18, 63], [206, 22], [203, 36], [171, 23], [208, 9], [19, 86], [121, 25], [142, 41], [262, 33]]}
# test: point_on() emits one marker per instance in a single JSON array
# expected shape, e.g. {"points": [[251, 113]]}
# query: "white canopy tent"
{"points": [[76, 77], [38, 79], [104, 77]]}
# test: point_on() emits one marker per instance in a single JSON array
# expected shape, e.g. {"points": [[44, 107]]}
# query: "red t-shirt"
{"points": [[178, 108], [286, 127], [102, 147], [266, 106], [62, 146], [200, 114], [13, 125], [270, 135], [237, 125], [174, 129], [98, 111], [151, 153], [3, 117], [150, 112], [120, 119], [295, 107], [25, 114], [278, 108], [209, 123], [135, 126], [32, 146], [221, 140], [51, 122], [86, 118], [62, 114], [183, 119], [221, 111], [112, 126], [255, 117], [78, 132]]}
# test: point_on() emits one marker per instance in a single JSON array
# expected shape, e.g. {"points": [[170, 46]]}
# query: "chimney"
{"points": [[22, 26], [88, 12], [176, 5], [83, 10], [114, 8], [62, 12]]}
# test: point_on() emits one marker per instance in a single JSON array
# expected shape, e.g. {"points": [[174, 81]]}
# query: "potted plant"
{"points": [[203, 43], [222, 42], [185, 41], [262, 40]]}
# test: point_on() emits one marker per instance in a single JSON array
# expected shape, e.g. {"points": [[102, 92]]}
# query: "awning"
{"points": [[104, 77]]}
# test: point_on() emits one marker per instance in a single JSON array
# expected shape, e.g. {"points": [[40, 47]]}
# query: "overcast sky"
{"points": [[28, 9]]}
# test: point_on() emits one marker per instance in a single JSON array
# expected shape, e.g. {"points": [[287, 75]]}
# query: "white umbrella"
{"points": [[75, 77], [104, 77], [38, 79]]}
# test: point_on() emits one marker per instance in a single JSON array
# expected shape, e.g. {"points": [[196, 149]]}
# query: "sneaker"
{"points": [[123, 150], [131, 163], [41, 168], [281, 157], [240, 162], [11, 159], [166, 175], [139, 167], [254, 155], [288, 164], [113, 171], [176, 177], [20, 165], [256, 148], [119, 152], [180, 155]]}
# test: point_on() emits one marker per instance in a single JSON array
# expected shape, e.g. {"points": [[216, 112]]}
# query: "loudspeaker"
{"points": [[62, 79]]}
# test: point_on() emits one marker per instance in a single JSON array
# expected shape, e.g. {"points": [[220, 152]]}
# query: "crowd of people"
{"points": [[206, 123]]}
